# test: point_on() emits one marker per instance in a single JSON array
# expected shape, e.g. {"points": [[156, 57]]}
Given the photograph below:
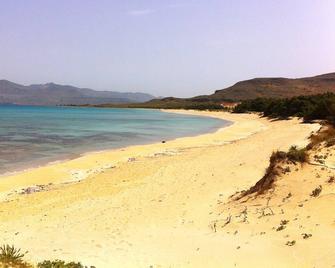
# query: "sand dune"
{"points": [[167, 204]]}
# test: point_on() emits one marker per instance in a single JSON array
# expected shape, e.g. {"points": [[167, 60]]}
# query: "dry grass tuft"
{"points": [[325, 134]]}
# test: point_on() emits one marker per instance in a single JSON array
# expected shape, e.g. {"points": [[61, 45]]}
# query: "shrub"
{"points": [[277, 156], [59, 264], [12, 257], [325, 134], [297, 155], [321, 106], [271, 173], [273, 170]]}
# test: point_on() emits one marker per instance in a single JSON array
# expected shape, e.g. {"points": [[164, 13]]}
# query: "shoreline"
{"points": [[54, 164], [83, 154], [149, 204]]}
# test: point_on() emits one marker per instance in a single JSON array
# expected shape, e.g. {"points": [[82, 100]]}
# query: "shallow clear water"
{"points": [[32, 135]]}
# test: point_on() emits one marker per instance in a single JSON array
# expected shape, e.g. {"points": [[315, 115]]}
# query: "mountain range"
{"points": [[54, 94]]}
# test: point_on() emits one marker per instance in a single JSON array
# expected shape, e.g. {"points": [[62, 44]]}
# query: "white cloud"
{"points": [[141, 12]]}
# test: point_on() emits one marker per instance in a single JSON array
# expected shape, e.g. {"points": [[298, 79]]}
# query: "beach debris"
{"points": [[33, 189], [227, 221], [290, 243], [266, 211], [282, 225], [284, 222], [131, 159], [331, 179], [306, 236], [213, 225], [289, 195], [280, 228], [316, 192], [243, 215], [165, 153]]}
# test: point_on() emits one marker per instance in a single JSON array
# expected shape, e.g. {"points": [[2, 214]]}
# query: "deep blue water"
{"points": [[32, 135]]}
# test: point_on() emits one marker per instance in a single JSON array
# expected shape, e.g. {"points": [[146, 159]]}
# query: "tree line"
{"points": [[312, 107]]}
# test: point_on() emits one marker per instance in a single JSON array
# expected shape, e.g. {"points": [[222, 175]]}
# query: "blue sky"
{"points": [[180, 48]]}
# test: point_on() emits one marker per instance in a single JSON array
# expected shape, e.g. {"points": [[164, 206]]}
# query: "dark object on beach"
{"points": [[282, 226], [316, 192], [290, 243], [34, 189], [306, 236], [163, 141], [331, 179]]}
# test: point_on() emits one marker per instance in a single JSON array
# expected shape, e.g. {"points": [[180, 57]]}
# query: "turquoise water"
{"points": [[31, 135]]}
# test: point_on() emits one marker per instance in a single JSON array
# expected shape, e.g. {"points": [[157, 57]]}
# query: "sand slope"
{"points": [[155, 205]]}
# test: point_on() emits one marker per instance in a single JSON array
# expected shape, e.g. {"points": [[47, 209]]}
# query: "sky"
{"points": [[166, 48]]}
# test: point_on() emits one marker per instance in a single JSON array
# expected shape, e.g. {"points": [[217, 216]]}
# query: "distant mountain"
{"points": [[277, 87], [54, 94]]}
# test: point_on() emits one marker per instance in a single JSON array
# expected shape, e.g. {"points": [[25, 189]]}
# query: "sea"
{"points": [[35, 135]]}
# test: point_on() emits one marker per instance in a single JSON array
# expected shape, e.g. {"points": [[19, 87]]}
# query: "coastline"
{"points": [[149, 204], [49, 167], [77, 153]]}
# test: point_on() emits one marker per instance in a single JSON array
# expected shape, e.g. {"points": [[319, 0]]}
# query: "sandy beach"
{"points": [[167, 204]]}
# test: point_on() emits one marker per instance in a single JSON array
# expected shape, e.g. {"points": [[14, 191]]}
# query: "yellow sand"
{"points": [[156, 205]]}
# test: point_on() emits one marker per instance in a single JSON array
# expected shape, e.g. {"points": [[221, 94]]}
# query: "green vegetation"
{"points": [[297, 155], [197, 103], [275, 168], [265, 183], [325, 136], [59, 264], [321, 106], [11, 257]]}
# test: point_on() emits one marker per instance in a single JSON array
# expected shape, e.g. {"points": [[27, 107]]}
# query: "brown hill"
{"points": [[277, 88]]}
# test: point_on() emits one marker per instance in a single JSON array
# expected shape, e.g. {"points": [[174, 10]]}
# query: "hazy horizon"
{"points": [[165, 48]]}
